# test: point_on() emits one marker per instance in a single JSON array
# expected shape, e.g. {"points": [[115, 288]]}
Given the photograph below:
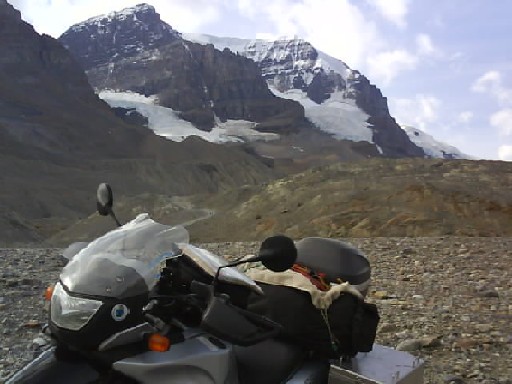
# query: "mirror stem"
{"points": [[113, 215]]}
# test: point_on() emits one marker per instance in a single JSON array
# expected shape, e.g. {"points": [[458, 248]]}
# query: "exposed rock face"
{"points": [[133, 50], [44, 95], [296, 64], [118, 35], [293, 64]]}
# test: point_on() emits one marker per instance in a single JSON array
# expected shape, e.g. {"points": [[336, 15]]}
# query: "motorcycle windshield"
{"points": [[210, 263], [126, 261]]}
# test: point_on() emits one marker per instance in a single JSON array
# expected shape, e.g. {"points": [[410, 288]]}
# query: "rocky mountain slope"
{"points": [[58, 140], [432, 147], [371, 198], [331, 93], [141, 53], [378, 197]]}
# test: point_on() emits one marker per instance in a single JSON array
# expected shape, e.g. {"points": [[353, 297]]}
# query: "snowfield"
{"points": [[167, 123]]}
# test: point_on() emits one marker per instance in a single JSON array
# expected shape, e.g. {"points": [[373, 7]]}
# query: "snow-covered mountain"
{"points": [[133, 50], [204, 89], [295, 70], [433, 147], [111, 39], [327, 88], [167, 123]]}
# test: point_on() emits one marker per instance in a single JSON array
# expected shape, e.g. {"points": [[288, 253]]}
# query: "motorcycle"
{"points": [[117, 316], [141, 304]]}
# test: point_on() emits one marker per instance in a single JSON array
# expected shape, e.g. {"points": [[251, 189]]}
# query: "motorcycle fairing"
{"points": [[196, 361], [125, 261], [46, 368]]}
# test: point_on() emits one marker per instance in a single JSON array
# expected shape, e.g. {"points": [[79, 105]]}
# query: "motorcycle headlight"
{"points": [[71, 312]]}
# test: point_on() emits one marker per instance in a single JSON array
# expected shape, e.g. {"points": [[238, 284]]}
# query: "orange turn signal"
{"points": [[158, 343], [48, 293]]}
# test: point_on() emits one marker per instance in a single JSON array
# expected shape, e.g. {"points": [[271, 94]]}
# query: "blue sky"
{"points": [[444, 65]]}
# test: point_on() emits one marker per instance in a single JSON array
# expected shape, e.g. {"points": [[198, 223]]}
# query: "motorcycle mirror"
{"points": [[105, 199], [277, 253]]}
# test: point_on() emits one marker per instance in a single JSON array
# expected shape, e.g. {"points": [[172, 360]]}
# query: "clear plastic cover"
{"points": [[71, 312], [124, 262], [210, 263]]}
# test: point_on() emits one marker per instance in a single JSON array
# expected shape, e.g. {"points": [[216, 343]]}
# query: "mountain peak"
{"points": [[8, 9], [118, 34], [126, 13]]}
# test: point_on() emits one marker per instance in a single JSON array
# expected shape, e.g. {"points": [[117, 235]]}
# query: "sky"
{"points": [[445, 66]]}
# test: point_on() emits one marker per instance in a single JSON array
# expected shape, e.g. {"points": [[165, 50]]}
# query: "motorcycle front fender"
{"points": [[46, 368]]}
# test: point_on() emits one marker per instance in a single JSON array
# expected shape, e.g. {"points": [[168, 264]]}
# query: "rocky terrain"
{"points": [[370, 198], [447, 300], [377, 197]]}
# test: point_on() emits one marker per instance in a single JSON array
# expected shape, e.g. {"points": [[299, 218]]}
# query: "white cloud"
{"points": [[505, 152], [419, 112], [424, 45], [331, 27], [465, 117], [53, 17], [491, 83], [385, 66], [394, 11], [503, 121], [186, 15]]}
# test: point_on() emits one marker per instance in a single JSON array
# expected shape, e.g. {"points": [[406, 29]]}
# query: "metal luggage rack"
{"points": [[383, 365]]}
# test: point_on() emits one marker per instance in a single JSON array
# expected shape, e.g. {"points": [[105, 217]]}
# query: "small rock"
{"points": [[474, 374], [407, 251], [381, 295], [484, 327], [32, 324], [465, 343], [387, 327], [39, 342], [431, 341], [451, 379], [409, 345], [402, 335]]}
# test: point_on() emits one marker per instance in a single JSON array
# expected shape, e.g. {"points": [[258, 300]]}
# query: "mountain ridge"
{"points": [[370, 198], [199, 82], [366, 95], [213, 91]]}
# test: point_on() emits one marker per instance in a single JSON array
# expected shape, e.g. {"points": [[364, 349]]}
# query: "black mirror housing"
{"points": [[105, 199], [278, 253]]}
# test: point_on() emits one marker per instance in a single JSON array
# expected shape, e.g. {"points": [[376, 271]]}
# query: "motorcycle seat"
{"points": [[270, 361]]}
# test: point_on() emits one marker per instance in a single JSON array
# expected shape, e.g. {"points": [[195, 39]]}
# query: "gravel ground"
{"points": [[447, 300]]}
